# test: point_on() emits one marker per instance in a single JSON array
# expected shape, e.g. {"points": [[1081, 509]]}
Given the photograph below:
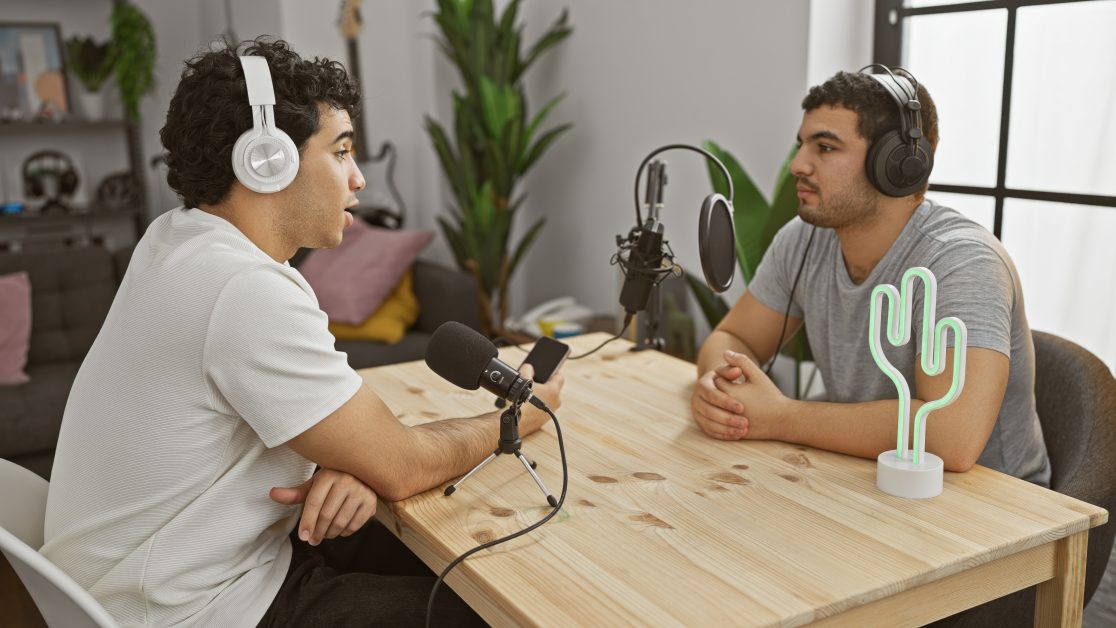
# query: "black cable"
{"points": [[501, 341], [538, 403], [627, 321], [786, 313]]}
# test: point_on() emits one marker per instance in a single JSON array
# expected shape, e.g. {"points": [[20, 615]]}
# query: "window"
{"points": [[1028, 116]]}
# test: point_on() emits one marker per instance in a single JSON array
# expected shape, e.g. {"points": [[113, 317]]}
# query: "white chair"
{"points": [[61, 601]]}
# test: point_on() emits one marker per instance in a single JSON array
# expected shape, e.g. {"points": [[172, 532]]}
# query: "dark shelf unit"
{"points": [[80, 217]]}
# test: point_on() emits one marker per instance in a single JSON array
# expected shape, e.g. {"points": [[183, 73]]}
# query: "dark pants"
{"points": [[367, 579]]}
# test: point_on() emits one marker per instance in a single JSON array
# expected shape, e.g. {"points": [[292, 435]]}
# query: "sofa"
{"points": [[71, 292]]}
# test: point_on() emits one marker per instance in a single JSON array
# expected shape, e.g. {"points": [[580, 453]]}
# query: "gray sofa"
{"points": [[71, 291]]}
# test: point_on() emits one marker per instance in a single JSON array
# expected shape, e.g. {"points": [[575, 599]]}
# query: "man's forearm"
{"points": [[452, 447], [867, 429], [713, 350]]}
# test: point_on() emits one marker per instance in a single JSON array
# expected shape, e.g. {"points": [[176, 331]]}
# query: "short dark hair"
{"points": [[209, 111], [876, 112]]}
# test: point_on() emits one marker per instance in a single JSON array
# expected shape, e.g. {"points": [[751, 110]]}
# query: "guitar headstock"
{"points": [[350, 21]]}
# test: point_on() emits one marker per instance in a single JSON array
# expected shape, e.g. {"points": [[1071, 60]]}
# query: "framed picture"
{"points": [[32, 71]]}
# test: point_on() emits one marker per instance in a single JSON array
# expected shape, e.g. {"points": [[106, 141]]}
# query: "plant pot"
{"points": [[93, 105]]}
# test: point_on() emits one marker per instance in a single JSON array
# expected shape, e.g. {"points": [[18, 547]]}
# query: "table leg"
{"points": [[1059, 601]]}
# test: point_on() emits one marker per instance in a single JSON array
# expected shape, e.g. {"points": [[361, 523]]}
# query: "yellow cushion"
{"points": [[390, 321]]}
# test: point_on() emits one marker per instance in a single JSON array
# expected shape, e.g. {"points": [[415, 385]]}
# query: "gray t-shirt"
{"points": [[977, 283]]}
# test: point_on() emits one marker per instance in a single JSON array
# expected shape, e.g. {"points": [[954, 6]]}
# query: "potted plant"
{"points": [[91, 63], [756, 221], [133, 52], [493, 143]]}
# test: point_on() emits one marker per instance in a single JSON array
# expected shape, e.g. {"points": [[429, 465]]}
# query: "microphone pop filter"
{"points": [[717, 242], [459, 354]]}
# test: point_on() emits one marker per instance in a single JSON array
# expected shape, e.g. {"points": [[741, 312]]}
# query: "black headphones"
{"points": [[899, 163], [49, 163]]}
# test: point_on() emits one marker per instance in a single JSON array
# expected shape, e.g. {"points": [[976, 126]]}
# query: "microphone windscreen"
{"points": [[459, 354], [717, 242]]}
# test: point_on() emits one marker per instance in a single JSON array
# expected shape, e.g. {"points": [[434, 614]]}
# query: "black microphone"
{"points": [[645, 261], [469, 360]]}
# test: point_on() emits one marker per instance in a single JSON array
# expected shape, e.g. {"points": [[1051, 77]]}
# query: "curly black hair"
{"points": [[876, 112], [209, 111]]}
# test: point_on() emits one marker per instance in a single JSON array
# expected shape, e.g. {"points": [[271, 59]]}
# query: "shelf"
{"points": [[17, 128], [70, 216]]}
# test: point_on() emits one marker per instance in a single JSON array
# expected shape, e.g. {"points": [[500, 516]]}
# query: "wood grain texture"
{"points": [[665, 526]]}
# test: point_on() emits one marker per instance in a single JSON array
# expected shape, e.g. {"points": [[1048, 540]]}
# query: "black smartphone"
{"points": [[547, 357]]}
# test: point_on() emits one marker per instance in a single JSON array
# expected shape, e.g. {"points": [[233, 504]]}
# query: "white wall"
{"points": [[637, 76]]}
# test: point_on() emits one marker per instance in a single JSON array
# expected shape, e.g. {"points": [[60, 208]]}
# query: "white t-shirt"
{"points": [[212, 357]]}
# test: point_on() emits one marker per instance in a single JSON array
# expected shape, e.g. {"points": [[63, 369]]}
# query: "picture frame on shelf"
{"points": [[32, 72]]}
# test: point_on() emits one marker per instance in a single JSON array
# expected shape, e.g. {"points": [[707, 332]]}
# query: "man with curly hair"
{"points": [[849, 237], [194, 425]]}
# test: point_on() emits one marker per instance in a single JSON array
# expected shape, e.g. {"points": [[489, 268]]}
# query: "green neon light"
{"points": [[933, 349]]}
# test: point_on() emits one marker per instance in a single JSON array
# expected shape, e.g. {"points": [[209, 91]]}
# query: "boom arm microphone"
{"points": [[643, 267], [469, 360]]}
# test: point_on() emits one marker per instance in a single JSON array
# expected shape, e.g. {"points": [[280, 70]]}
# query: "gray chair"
{"points": [[1075, 395]]}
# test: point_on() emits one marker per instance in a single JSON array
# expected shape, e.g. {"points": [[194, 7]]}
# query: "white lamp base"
{"points": [[904, 478]]}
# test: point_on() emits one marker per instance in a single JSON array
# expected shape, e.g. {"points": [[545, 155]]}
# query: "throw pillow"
{"points": [[15, 327], [352, 280], [390, 321]]}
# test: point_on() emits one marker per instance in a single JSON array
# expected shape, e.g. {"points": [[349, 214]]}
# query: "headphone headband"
{"points": [[257, 77], [264, 158], [899, 162]]}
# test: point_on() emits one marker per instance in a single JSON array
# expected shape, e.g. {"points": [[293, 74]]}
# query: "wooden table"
{"points": [[665, 526]]}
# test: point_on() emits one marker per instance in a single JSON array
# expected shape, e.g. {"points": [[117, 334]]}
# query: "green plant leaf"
{"points": [[492, 143], [784, 206], [750, 210], [133, 42], [451, 165], [524, 244], [554, 35], [713, 307], [537, 120], [540, 146]]}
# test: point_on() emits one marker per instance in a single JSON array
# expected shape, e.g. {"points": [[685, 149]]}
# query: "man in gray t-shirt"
{"points": [[853, 234]]}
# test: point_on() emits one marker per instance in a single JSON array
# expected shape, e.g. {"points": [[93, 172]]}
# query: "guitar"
{"points": [[350, 23], [380, 201]]}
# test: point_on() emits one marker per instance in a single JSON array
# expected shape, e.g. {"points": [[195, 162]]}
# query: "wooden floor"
{"points": [[1101, 611]]}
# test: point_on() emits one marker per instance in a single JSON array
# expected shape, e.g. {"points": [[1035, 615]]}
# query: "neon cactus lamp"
{"points": [[913, 472]]}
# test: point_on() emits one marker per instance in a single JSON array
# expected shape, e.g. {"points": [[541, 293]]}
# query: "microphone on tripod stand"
{"points": [[646, 258], [470, 361]]}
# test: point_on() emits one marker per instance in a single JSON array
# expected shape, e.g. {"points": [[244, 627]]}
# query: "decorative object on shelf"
{"points": [[49, 174], [91, 63], [32, 72], [118, 191], [493, 143], [133, 52]]}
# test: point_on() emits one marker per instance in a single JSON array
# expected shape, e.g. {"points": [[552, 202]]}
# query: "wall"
{"points": [[722, 70], [729, 71]]}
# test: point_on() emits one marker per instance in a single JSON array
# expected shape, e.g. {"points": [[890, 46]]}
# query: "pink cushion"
{"points": [[15, 327], [353, 279]]}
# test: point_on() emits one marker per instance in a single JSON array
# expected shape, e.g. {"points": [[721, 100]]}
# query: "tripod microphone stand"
{"points": [[509, 444]]}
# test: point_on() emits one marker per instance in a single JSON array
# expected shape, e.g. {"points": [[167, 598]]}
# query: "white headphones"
{"points": [[264, 158]]}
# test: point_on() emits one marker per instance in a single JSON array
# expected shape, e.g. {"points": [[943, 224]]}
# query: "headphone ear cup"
{"points": [[894, 170], [32, 186], [68, 182], [265, 162]]}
